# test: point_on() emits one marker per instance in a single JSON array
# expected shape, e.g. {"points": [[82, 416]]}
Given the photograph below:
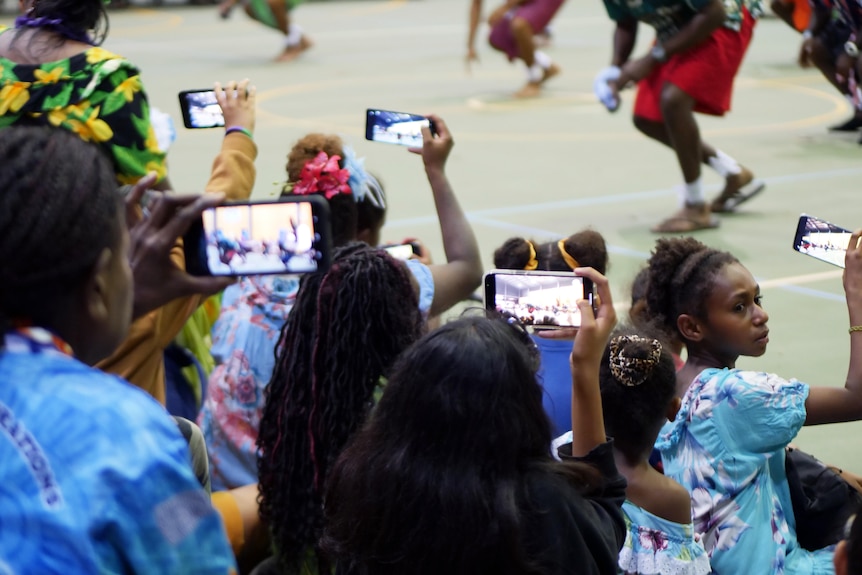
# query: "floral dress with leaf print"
{"points": [[656, 546], [97, 95], [726, 447]]}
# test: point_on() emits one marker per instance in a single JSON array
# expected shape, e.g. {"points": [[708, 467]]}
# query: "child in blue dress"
{"points": [[726, 445]]}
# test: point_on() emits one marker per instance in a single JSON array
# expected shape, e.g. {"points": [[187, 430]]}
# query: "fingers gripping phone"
{"points": [[200, 109], [544, 300], [396, 127], [821, 240], [291, 235]]}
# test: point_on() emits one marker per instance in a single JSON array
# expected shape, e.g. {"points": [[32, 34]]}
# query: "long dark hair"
{"points": [[346, 328], [435, 482], [77, 18], [58, 212]]}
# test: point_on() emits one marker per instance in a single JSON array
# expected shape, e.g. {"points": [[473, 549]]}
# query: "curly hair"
{"points": [[343, 209], [58, 212], [680, 277], [346, 328], [586, 246], [634, 414], [436, 481]]}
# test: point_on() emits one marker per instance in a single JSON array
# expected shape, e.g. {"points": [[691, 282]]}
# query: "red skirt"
{"points": [[706, 73]]}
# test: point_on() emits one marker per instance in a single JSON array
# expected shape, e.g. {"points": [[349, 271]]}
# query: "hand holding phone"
{"points": [[237, 102], [821, 240], [396, 127], [544, 300], [291, 235], [404, 251], [200, 109]]}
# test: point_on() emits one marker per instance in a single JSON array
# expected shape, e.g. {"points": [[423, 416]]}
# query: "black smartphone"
{"points": [[821, 239], [396, 127], [402, 251], [544, 300], [290, 236], [200, 109]]}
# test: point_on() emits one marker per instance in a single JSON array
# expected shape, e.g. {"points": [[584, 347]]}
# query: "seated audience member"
{"points": [[585, 248], [334, 355], [254, 310], [638, 384], [848, 553], [140, 357], [96, 477], [726, 445], [453, 472]]}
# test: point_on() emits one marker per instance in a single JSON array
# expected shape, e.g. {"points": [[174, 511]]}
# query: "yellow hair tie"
{"points": [[533, 263], [573, 263]]}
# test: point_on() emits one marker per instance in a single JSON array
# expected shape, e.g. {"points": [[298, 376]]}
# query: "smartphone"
{"points": [[200, 109], [544, 300], [402, 251], [396, 127], [822, 240], [290, 236]]}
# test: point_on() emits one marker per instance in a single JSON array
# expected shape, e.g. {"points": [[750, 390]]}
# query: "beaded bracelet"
{"points": [[239, 129], [854, 328]]}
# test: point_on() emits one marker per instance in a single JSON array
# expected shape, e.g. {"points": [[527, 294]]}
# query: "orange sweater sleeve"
{"points": [[139, 357]]}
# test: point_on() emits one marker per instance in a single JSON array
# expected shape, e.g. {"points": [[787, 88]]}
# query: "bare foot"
{"points": [[225, 7], [738, 189], [689, 218], [292, 52], [534, 89]]}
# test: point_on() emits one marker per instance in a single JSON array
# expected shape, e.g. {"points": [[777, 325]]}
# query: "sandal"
{"points": [[738, 190], [688, 219]]}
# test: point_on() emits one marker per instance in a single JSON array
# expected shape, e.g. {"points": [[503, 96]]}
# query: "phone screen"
{"points": [[395, 127], [400, 252], [822, 240], [200, 109], [539, 300], [263, 238]]}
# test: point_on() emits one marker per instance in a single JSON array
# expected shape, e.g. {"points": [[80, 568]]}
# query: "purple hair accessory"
{"points": [[54, 23]]}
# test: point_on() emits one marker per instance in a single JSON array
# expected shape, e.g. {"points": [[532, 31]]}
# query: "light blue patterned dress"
{"points": [[726, 447], [656, 546]]}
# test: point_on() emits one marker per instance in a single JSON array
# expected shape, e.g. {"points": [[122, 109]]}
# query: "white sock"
{"points": [[535, 73], [542, 59], [294, 35], [724, 164], [692, 193]]}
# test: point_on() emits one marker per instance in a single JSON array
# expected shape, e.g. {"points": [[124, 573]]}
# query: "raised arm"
{"points": [[233, 172], [834, 404], [462, 273], [588, 427]]}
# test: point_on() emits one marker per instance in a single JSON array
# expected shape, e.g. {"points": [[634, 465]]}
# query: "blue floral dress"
{"points": [[726, 447], [656, 546]]}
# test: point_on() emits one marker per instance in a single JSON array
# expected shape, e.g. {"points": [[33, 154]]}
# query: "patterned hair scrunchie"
{"points": [[633, 371]]}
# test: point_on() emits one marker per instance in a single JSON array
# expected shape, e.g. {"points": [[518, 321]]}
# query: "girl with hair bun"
{"points": [[638, 383], [585, 248], [726, 445]]}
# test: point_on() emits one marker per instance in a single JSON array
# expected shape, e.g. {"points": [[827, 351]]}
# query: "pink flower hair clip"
{"points": [[323, 175]]}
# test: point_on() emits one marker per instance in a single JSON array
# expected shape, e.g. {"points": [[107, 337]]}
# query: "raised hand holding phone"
{"points": [[237, 102], [588, 428]]}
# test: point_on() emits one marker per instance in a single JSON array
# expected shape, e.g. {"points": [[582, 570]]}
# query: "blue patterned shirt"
{"points": [[95, 476]]}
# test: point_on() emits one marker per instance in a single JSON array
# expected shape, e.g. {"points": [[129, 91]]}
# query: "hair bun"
{"points": [[633, 371]]}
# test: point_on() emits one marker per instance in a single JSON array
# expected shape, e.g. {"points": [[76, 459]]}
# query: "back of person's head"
{"points": [[848, 554], [345, 330], [358, 209], [680, 280], [638, 385], [78, 18], [585, 248], [459, 425], [63, 240]]}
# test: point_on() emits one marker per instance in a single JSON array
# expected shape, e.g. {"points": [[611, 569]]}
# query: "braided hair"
{"points": [[680, 277], [58, 212], [346, 328], [587, 247]]}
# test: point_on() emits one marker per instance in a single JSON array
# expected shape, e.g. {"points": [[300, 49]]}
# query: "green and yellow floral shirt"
{"points": [[95, 94]]}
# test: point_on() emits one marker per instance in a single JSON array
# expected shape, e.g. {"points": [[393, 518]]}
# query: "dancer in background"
{"points": [[513, 26], [274, 14], [690, 68]]}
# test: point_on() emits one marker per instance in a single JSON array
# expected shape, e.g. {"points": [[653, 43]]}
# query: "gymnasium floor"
{"points": [[542, 168]]}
